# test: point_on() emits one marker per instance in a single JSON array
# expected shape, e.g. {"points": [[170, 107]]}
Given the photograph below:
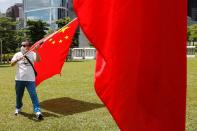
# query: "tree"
{"points": [[20, 37], [8, 35], [36, 30], [192, 33], [62, 22]]}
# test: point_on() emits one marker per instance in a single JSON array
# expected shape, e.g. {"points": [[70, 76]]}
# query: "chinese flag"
{"points": [[141, 63], [53, 52]]}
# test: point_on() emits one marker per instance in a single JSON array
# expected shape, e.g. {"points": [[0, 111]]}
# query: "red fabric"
{"points": [[53, 52], [141, 67]]}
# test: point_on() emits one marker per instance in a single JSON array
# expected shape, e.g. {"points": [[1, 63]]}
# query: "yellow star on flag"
{"points": [[60, 41], [50, 39], [53, 42], [64, 28], [66, 37]]}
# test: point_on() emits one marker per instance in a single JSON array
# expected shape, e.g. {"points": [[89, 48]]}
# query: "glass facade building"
{"points": [[192, 9], [47, 10]]}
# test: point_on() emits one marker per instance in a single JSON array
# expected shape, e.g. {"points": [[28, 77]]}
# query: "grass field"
{"points": [[70, 103], [191, 123]]}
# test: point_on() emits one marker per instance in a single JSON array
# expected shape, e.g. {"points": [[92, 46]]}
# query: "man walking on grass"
{"points": [[25, 77]]}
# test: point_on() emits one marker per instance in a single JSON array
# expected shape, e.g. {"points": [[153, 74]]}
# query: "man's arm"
{"points": [[13, 62], [15, 59], [37, 54], [37, 57]]}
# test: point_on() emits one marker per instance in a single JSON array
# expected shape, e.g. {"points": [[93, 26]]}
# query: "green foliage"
{"points": [[11, 38], [36, 30], [20, 36], [6, 58], [62, 22], [75, 42], [8, 35], [50, 31], [192, 33]]}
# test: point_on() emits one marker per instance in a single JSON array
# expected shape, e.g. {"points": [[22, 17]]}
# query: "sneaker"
{"points": [[39, 116], [17, 111]]}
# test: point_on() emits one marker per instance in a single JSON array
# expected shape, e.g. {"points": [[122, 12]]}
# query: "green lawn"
{"points": [[70, 103], [191, 123]]}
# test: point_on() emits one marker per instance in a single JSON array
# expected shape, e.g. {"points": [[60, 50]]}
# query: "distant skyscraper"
{"points": [[47, 10], [16, 13], [192, 9]]}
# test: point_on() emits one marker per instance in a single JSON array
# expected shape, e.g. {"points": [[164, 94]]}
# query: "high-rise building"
{"points": [[46, 10], [192, 9], [70, 11], [15, 12]]}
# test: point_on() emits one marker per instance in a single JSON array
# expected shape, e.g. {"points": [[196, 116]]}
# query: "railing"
{"points": [[190, 51], [81, 54], [90, 53]]}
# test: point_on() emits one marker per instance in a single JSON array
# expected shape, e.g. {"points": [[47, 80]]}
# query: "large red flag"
{"points": [[141, 67], [53, 52]]}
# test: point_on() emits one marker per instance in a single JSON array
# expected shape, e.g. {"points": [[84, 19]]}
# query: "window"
{"points": [[58, 3], [39, 15], [36, 4], [58, 13]]}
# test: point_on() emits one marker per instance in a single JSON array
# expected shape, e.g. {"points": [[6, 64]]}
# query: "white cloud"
{"points": [[4, 4], [1, 1]]}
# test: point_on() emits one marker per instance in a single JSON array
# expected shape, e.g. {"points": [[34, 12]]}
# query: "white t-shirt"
{"points": [[24, 71]]}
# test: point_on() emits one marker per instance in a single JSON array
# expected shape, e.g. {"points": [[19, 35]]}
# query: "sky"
{"points": [[4, 4]]}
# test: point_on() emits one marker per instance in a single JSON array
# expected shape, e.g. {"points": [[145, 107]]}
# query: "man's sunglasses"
{"points": [[25, 45]]}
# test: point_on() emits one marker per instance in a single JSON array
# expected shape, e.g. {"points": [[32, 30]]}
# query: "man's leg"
{"points": [[19, 87], [34, 98], [31, 87]]}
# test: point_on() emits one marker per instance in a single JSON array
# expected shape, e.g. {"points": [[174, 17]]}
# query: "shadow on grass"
{"points": [[68, 106], [32, 116]]}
